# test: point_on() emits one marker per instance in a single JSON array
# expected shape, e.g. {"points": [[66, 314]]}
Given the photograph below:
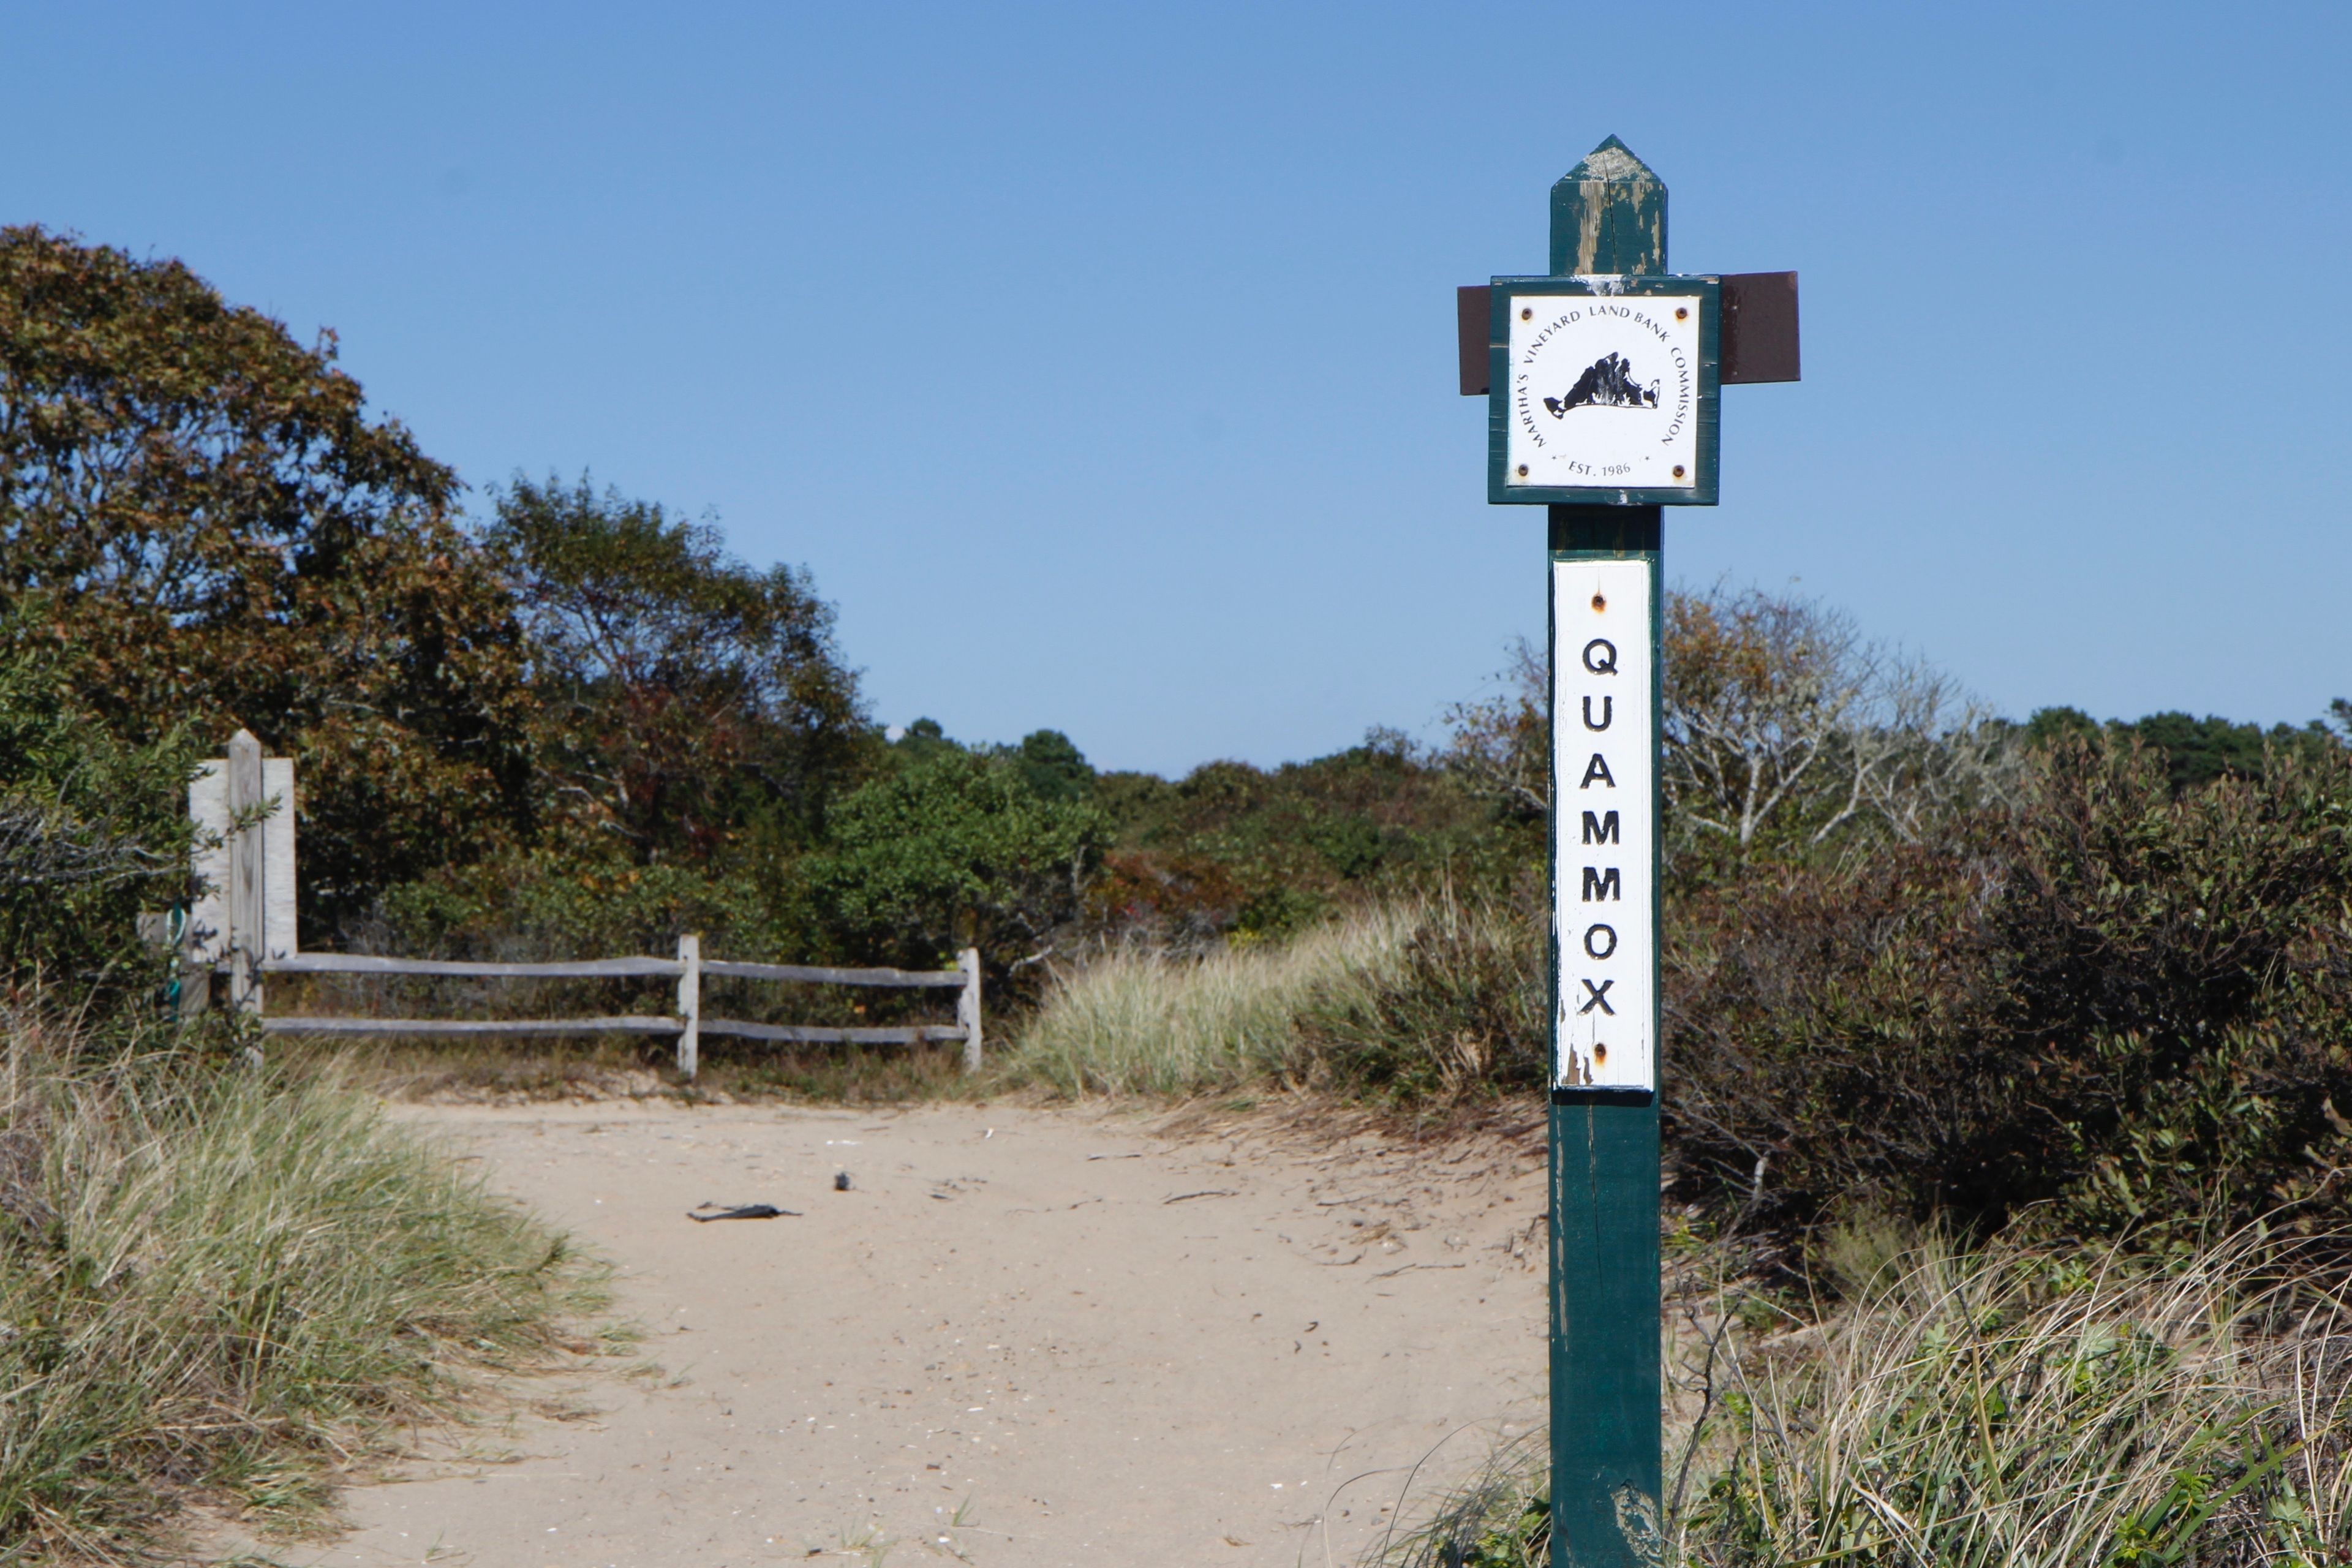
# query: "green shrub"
{"points": [[2134, 1003], [1266, 853], [593, 902], [952, 851], [93, 830]]}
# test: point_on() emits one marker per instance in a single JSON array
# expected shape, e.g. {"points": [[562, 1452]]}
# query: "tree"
{"points": [[689, 697], [1497, 745], [1783, 726], [953, 849], [1784, 731], [203, 508], [91, 830], [1054, 768]]}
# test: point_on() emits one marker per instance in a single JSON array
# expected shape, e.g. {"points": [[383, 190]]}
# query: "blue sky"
{"points": [[1098, 360]]}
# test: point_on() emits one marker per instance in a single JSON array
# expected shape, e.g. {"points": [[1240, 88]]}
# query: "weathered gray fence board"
{"points": [[577, 969], [625, 1024], [814, 1034], [900, 977]]}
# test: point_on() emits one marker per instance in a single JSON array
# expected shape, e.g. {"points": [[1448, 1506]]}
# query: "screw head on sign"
{"points": [[1678, 470], [1682, 313], [1523, 470], [1527, 314], [1600, 1053], [1600, 603]]}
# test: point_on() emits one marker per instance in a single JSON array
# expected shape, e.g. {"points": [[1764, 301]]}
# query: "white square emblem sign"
{"points": [[1604, 825], [1604, 391]]}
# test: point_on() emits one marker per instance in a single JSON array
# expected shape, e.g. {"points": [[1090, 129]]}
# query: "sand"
{"points": [[1020, 1336]]}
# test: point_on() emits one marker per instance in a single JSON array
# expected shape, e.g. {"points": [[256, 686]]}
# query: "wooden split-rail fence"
{"points": [[245, 928]]}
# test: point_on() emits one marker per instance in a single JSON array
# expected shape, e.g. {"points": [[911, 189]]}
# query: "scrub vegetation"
{"points": [[2057, 1002]]}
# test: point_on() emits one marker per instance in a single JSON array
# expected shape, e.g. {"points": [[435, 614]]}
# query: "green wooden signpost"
{"points": [[1602, 380]]}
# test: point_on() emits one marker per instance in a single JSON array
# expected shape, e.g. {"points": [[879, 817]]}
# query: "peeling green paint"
{"points": [[1609, 216], [1637, 1524]]}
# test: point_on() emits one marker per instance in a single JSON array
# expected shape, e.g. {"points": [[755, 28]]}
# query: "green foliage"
{"points": [[688, 700], [949, 851], [1231, 849], [595, 901], [2048, 726], [2195, 751], [2132, 1004], [202, 510], [1054, 768], [93, 830], [923, 738]]}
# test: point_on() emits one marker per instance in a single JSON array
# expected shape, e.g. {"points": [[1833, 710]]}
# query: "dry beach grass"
{"points": [[2016, 1403], [236, 1285]]}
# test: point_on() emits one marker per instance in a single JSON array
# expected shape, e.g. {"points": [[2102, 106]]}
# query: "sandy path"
{"points": [[1023, 1337]]}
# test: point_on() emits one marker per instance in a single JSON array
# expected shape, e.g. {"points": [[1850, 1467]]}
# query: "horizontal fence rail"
{"points": [[625, 1024], [688, 968], [821, 1035], [365, 963], [833, 976], [601, 968]]}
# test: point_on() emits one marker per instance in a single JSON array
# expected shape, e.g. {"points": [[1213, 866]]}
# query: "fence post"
{"points": [[249, 902], [690, 1004], [195, 992], [968, 1006]]}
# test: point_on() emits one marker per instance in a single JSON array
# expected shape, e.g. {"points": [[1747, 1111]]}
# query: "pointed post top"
{"points": [[1609, 215]]}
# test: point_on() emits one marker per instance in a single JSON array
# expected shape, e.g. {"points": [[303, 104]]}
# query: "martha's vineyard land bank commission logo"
{"points": [[1604, 391]]}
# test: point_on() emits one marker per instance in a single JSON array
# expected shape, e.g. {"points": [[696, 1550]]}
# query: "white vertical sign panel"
{"points": [[1604, 825]]}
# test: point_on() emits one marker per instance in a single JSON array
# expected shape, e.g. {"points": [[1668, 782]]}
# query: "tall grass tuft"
{"points": [[1454, 1010], [2020, 1405], [1135, 1021], [227, 1281], [1430, 1000]]}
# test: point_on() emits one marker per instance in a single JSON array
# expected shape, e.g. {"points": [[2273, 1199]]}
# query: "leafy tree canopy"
{"points": [[951, 849], [2195, 751], [1054, 768], [91, 829], [203, 509], [690, 697]]}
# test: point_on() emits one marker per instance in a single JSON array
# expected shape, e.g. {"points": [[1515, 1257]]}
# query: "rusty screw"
{"points": [[1527, 314], [1599, 602], [1523, 470], [1682, 313], [1678, 470], [1600, 1053]]}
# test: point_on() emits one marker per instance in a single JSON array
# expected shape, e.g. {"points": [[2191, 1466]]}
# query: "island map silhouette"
{"points": [[1607, 383]]}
